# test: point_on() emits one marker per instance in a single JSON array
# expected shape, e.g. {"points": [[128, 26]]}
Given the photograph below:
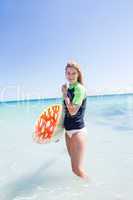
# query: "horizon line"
{"points": [[53, 98]]}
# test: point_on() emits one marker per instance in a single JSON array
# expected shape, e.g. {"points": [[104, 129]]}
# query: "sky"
{"points": [[38, 38]]}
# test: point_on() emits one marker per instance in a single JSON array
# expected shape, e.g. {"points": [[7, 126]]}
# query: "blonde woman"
{"points": [[74, 103]]}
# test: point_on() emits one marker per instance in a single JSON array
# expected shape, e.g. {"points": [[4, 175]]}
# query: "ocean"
{"points": [[31, 171]]}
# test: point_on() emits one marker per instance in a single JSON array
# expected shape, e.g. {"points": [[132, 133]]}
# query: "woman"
{"points": [[74, 103]]}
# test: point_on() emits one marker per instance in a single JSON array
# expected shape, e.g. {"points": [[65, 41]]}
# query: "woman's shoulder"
{"points": [[80, 86]]}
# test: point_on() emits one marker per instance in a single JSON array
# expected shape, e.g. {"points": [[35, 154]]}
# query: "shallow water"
{"points": [[30, 171]]}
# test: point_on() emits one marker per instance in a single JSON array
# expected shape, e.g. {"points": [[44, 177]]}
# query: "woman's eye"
{"points": [[73, 74]]}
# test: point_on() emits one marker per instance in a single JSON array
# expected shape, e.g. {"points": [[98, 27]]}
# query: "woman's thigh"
{"points": [[68, 144], [77, 149]]}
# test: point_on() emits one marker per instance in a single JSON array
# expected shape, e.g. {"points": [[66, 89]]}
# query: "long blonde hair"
{"points": [[77, 67]]}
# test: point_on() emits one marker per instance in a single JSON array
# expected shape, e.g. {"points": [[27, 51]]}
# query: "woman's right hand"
{"points": [[64, 90]]}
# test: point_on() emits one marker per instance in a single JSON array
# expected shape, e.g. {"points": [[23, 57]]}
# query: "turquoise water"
{"points": [[37, 172]]}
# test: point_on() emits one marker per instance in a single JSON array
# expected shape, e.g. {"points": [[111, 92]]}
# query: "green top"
{"points": [[79, 93]]}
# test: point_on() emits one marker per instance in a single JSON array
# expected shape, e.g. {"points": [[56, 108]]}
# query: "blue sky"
{"points": [[38, 37]]}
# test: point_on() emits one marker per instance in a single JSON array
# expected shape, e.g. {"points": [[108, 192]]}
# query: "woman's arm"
{"points": [[72, 108]]}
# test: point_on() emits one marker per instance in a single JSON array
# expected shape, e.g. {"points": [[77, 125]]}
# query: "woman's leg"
{"points": [[68, 144], [78, 149]]}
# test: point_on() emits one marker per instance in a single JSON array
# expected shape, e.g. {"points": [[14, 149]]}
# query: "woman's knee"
{"points": [[80, 172], [76, 170]]}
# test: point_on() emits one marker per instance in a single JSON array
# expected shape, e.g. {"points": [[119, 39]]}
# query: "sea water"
{"points": [[30, 171]]}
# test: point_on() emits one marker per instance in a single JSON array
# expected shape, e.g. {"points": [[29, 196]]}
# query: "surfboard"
{"points": [[49, 125]]}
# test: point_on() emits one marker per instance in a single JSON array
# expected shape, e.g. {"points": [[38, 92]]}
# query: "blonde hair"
{"points": [[77, 67]]}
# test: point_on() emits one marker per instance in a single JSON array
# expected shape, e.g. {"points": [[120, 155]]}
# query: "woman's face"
{"points": [[71, 75]]}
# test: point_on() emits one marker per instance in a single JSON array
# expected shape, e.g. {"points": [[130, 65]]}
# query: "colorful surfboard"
{"points": [[49, 125]]}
